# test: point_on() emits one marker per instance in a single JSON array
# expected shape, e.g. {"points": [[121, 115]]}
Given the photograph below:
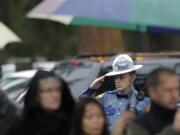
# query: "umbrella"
{"points": [[141, 15], [7, 36], [45, 10]]}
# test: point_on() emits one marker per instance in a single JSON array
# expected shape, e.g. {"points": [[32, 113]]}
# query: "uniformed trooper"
{"points": [[124, 97]]}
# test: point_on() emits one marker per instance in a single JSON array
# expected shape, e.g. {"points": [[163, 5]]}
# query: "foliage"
{"points": [[40, 37]]}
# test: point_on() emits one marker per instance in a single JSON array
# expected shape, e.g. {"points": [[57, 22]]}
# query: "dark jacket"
{"points": [[8, 114], [42, 123], [136, 129], [157, 122]]}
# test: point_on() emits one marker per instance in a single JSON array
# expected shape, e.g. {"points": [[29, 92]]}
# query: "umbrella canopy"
{"points": [[141, 15], [7, 36], [45, 10]]}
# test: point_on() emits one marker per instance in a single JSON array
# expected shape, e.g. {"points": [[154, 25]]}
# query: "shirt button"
{"points": [[120, 103]]}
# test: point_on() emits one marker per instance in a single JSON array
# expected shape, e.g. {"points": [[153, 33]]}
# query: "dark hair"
{"points": [[133, 73], [153, 79], [79, 114], [30, 102]]}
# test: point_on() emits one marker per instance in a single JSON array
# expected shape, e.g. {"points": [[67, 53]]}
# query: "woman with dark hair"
{"points": [[89, 118], [48, 107]]}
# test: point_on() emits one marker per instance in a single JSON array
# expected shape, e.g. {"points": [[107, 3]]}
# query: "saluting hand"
{"points": [[96, 84]]}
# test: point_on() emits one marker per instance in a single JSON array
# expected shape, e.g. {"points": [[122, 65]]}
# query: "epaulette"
{"points": [[100, 96], [140, 95]]}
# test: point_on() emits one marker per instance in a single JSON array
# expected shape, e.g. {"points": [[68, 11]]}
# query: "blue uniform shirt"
{"points": [[115, 104]]}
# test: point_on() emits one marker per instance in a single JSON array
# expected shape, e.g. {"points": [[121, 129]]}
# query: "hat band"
{"points": [[122, 68]]}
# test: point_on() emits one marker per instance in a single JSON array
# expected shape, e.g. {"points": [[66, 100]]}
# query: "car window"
{"points": [[14, 84], [147, 68], [177, 68], [5, 81], [76, 76]]}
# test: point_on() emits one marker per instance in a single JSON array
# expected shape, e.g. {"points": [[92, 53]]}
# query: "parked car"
{"points": [[16, 83], [80, 73]]}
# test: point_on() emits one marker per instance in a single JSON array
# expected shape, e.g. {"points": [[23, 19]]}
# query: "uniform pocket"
{"points": [[110, 111]]}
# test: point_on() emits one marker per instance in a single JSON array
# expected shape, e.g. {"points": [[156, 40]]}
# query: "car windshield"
{"points": [[12, 82], [5, 81]]}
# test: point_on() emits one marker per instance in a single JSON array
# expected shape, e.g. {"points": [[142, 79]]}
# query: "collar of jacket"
{"points": [[131, 96], [131, 93], [162, 113]]}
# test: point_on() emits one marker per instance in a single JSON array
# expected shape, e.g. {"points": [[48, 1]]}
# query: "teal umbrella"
{"points": [[141, 15]]}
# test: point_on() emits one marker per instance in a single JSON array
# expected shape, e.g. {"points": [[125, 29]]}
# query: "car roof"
{"points": [[166, 62], [22, 74], [150, 64]]}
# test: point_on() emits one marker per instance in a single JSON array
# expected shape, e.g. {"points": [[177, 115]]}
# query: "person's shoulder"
{"points": [[17, 127], [146, 121], [107, 93], [146, 100], [140, 95], [135, 129], [100, 96]]}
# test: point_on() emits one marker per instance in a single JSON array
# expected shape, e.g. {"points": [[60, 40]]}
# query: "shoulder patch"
{"points": [[148, 108], [100, 96]]}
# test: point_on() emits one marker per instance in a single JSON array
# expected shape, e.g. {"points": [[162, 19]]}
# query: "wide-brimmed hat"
{"points": [[123, 64]]}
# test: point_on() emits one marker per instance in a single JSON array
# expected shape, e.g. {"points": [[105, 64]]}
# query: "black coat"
{"points": [[42, 123], [157, 119], [8, 114]]}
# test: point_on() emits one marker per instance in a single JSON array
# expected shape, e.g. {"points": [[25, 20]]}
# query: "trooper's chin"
{"points": [[120, 89]]}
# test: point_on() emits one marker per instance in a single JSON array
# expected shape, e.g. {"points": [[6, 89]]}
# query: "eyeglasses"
{"points": [[47, 91]]}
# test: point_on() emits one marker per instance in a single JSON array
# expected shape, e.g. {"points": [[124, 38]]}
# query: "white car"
{"points": [[16, 83]]}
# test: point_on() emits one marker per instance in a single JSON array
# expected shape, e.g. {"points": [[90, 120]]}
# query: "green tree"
{"points": [[40, 37]]}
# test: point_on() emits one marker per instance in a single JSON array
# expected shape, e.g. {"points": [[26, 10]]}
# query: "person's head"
{"points": [[124, 82], [124, 70], [163, 87], [48, 92], [89, 118]]}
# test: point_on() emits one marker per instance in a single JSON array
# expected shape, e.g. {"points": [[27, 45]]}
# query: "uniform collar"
{"points": [[130, 94]]}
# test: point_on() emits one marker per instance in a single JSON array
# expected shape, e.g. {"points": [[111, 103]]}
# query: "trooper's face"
{"points": [[49, 96], [124, 82], [167, 93]]}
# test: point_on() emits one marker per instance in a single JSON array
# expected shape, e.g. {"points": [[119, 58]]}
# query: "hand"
{"points": [[123, 122], [176, 124], [96, 84]]}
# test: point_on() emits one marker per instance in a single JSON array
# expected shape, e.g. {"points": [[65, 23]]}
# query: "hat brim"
{"points": [[114, 73]]}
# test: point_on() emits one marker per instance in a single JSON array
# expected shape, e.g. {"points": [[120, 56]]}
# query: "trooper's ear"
{"points": [[133, 77]]}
